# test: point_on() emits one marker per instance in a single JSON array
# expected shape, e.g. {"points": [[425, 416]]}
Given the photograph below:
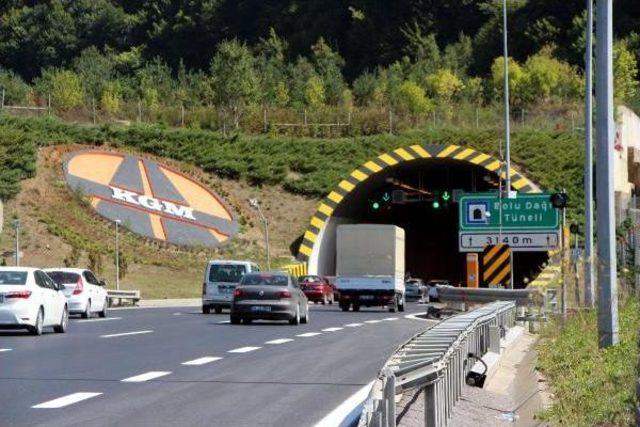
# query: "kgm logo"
{"points": [[150, 199]]}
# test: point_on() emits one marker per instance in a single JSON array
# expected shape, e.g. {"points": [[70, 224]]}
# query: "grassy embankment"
{"points": [[591, 387]]}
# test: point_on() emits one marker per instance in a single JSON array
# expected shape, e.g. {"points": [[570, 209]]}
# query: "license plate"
{"points": [[366, 297], [224, 290], [260, 308]]}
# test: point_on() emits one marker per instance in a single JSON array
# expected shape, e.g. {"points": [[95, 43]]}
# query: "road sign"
{"points": [[496, 265], [519, 242], [473, 271], [485, 212]]}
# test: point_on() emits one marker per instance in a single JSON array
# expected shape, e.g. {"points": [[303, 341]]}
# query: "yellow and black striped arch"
{"points": [[390, 159]]}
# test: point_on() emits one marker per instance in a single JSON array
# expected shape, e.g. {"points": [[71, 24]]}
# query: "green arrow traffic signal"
{"points": [[446, 196]]}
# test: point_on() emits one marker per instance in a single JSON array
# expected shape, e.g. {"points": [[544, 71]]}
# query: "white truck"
{"points": [[370, 266]]}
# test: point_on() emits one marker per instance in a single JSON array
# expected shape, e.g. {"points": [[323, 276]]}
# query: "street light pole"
{"points": [[507, 125], [16, 224], [256, 205], [588, 163], [608, 328], [117, 222]]}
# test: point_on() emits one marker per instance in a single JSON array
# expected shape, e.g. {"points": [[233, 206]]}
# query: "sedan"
{"points": [[30, 300], [317, 289], [85, 294], [269, 296]]}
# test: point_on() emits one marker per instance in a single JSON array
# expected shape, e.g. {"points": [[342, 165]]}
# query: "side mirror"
{"points": [[102, 283]]}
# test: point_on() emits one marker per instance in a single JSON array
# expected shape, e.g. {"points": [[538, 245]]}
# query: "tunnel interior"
{"points": [[427, 211]]}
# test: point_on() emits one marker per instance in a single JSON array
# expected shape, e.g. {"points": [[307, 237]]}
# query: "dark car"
{"points": [[415, 289], [269, 296], [317, 289]]}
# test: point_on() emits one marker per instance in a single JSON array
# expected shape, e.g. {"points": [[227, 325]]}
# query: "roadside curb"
{"points": [[161, 303]]}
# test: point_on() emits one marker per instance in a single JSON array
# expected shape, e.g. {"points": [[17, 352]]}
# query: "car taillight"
{"points": [[18, 294], [284, 294], [79, 287], [238, 293], [204, 288]]}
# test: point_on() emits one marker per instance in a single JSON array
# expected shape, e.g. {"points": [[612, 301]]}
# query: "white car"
{"points": [[85, 293], [220, 279], [30, 300]]}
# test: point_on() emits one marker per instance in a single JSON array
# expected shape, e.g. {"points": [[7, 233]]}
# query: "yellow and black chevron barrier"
{"points": [[390, 159], [296, 270], [496, 265]]}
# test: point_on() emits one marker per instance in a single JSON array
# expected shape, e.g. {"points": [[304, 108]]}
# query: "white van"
{"points": [[220, 279]]}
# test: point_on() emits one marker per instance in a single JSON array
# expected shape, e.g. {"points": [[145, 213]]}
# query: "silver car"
{"points": [[269, 296]]}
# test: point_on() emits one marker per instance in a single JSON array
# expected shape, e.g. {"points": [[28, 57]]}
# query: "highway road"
{"points": [[178, 367]]}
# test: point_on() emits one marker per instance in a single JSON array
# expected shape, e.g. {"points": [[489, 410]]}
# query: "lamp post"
{"points": [[507, 125], [588, 163], [117, 223], [16, 224], [254, 204]]}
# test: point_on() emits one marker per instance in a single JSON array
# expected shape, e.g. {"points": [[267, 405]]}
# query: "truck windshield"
{"points": [[13, 277], [227, 273]]}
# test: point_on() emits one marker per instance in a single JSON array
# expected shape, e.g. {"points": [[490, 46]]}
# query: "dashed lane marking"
{"points": [[309, 334], [332, 329], [224, 322], [177, 314], [146, 376], [390, 318], [372, 321], [98, 320], [201, 361], [126, 334], [244, 349], [67, 400], [353, 325], [279, 341], [2, 350]]}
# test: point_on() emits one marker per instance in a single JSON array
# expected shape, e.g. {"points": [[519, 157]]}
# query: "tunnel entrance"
{"points": [[419, 196]]}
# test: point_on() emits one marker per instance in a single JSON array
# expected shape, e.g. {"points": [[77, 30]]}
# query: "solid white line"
{"points": [[353, 325], [201, 361], [309, 334], [224, 321], [98, 320], [332, 329], [65, 400], [390, 318], [279, 341], [415, 317], [372, 321], [346, 413], [2, 350], [125, 334], [177, 314], [244, 349], [145, 377]]}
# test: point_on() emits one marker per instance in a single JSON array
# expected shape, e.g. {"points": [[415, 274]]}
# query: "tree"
{"points": [[95, 261], [443, 85], [16, 91], [328, 64], [625, 73], [235, 80], [64, 86], [367, 90], [517, 80], [314, 94], [94, 70], [413, 98], [110, 97], [273, 69]]}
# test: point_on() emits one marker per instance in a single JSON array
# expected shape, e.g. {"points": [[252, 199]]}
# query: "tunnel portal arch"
{"points": [[321, 228]]}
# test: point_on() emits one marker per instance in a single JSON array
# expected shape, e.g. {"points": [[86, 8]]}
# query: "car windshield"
{"points": [[62, 277], [13, 277], [412, 285], [227, 273], [264, 280], [309, 279]]}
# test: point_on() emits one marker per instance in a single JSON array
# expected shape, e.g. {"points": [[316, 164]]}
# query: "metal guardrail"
{"points": [[437, 360], [522, 297], [133, 296]]}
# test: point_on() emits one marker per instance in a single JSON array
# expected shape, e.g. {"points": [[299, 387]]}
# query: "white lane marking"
{"points": [[177, 314], [125, 334], [2, 350], [372, 321], [309, 334], [98, 320], [390, 318], [346, 413], [279, 341], [332, 329], [201, 361], [244, 349], [415, 317], [146, 376], [224, 321], [67, 400], [353, 325]]}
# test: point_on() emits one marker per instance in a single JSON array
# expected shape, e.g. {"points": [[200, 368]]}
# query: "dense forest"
{"points": [[411, 55]]}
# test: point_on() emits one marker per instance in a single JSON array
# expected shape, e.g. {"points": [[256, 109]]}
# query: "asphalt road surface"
{"points": [[178, 367]]}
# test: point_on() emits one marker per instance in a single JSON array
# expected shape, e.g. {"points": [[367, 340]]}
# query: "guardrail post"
{"points": [[430, 410], [494, 339], [390, 399]]}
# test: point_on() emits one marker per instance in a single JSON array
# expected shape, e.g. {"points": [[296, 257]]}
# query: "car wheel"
{"points": [[356, 307], [331, 300], [344, 307], [105, 309], [235, 319], [64, 321], [87, 311], [206, 309], [324, 300], [393, 307], [247, 321], [305, 319], [217, 309], [37, 328], [295, 319], [401, 304]]}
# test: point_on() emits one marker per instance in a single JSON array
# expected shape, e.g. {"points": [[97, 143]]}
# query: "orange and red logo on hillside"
{"points": [[150, 199]]}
